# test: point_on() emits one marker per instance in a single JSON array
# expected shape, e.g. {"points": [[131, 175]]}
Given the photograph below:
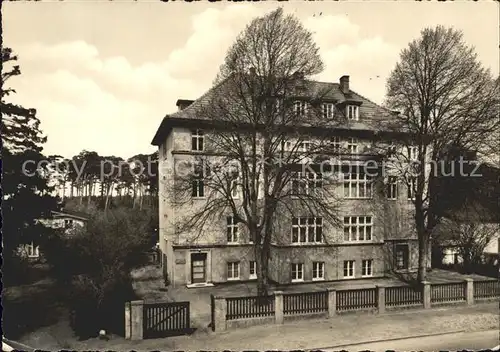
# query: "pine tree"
{"points": [[27, 196]]}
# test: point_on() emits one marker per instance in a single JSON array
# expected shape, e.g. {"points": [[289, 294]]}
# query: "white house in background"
{"points": [[68, 222], [492, 250]]}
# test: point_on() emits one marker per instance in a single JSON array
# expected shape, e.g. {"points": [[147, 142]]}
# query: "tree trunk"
{"points": [[108, 191], [134, 200], [262, 260], [141, 195], [423, 246]]}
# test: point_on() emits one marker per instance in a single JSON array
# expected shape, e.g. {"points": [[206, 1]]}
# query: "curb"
{"points": [[386, 340]]}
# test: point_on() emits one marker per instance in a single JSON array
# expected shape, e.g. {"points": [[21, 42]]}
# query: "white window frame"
{"points": [[304, 146], [298, 269], [304, 228], [392, 188], [197, 140], [358, 228], [356, 184], [349, 269], [306, 182], [412, 187], [32, 251], [336, 144], [352, 112], [300, 108], [352, 145], [286, 146], [232, 269], [199, 183], [318, 273], [252, 265], [232, 233], [328, 110], [367, 268], [412, 153]]}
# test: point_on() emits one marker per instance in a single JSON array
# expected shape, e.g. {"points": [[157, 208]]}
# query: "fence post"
{"points": [[469, 291], [426, 294], [127, 320], [381, 298], [332, 302], [136, 320], [278, 307], [220, 312]]}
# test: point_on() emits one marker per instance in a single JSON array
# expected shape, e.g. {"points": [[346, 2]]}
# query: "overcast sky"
{"points": [[103, 74]]}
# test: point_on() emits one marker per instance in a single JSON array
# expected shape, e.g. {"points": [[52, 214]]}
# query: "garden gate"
{"points": [[163, 319]]}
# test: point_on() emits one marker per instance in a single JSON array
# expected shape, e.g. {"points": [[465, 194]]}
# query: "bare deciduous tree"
{"points": [[264, 146], [445, 97]]}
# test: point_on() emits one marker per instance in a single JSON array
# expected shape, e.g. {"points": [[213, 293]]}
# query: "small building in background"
{"points": [[69, 222]]}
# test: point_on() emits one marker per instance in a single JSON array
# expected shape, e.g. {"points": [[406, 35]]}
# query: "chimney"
{"points": [[183, 103], [344, 84]]}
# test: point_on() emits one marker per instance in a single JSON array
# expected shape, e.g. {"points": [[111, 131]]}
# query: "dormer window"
{"points": [[300, 108], [327, 110], [197, 140], [352, 112]]}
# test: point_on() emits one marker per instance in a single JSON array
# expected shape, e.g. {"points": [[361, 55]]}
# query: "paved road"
{"points": [[477, 341]]}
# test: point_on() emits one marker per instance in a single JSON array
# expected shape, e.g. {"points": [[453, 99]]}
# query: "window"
{"points": [[352, 112], [336, 144], [32, 251], [307, 230], [412, 187], [286, 146], [357, 228], [357, 185], [68, 223], [413, 153], [234, 187], [352, 145], [233, 270], [197, 139], [232, 230], [306, 183], [300, 108], [304, 146], [328, 110], [392, 188], [198, 184], [401, 256], [348, 269], [318, 271], [253, 269], [297, 272], [367, 267]]}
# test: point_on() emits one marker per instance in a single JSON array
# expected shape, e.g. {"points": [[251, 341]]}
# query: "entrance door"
{"points": [[401, 256], [198, 267]]}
